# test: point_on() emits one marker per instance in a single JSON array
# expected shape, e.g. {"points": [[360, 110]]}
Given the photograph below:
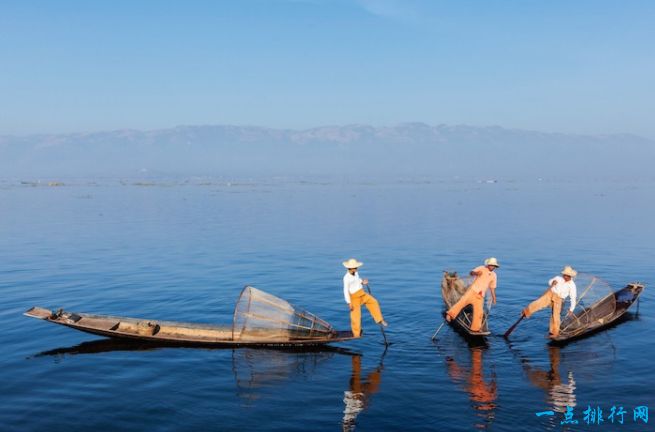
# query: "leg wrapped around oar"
{"points": [[358, 299], [547, 299]]}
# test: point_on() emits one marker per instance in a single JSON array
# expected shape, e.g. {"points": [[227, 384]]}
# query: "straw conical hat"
{"points": [[568, 271], [352, 263], [492, 262]]}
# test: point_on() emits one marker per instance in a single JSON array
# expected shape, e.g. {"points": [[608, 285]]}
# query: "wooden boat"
{"points": [[599, 315], [260, 319], [452, 289]]}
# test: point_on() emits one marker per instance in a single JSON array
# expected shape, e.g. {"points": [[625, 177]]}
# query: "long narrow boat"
{"points": [[452, 289], [599, 315], [260, 319]]}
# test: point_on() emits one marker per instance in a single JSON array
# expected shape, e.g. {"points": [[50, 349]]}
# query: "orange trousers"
{"points": [[356, 301], [549, 298], [470, 297]]}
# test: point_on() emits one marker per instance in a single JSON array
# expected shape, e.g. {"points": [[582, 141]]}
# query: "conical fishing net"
{"points": [[453, 287], [596, 302], [259, 316]]}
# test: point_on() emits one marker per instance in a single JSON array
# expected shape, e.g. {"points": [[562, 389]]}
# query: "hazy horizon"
{"points": [[408, 149], [315, 127]]}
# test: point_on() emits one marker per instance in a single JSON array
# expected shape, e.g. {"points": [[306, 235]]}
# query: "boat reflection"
{"points": [[107, 345], [100, 346], [482, 390], [256, 371], [358, 396]]}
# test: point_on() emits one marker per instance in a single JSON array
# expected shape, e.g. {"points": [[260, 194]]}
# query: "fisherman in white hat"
{"points": [[485, 278], [559, 288], [353, 292]]}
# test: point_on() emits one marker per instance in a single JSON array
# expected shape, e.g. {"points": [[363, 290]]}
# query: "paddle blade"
{"points": [[384, 335], [511, 329], [434, 336]]}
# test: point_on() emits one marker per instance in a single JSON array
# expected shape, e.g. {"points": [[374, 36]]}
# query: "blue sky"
{"points": [[585, 66]]}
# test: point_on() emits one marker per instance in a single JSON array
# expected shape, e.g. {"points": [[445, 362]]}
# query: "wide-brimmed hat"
{"points": [[491, 262], [352, 263], [568, 271]]}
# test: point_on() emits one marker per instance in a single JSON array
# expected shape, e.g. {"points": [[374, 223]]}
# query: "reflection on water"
{"points": [[558, 383], [482, 392], [256, 370], [358, 396], [582, 361], [560, 389], [99, 346]]}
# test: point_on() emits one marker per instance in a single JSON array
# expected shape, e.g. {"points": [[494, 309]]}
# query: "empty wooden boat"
{"points": [[260, 319], [452, 289]]}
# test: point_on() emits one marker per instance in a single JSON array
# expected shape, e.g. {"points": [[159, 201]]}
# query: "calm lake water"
{"points": [[182, 250]]}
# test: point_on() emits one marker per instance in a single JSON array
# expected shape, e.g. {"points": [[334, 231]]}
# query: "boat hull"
{"points": [[624, 299], [173, 333]]}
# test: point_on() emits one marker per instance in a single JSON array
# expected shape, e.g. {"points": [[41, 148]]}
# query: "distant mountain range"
{"points": [[410, 149]]}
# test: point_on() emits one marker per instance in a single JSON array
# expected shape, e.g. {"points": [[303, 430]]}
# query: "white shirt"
{"points": [[565, 289], [351, 284]]}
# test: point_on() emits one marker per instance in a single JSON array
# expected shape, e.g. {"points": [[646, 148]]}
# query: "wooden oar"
{"points": [[384, 336], [511, 329], [434, 336], [488, 305]]}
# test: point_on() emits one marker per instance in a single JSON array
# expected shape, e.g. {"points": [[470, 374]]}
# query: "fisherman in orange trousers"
{"points": [[485, 278], [353, 292], [559, 288]]}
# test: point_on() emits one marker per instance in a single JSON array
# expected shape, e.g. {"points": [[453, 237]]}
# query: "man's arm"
{"points": [[346, 292], [574, 298], [476, 272]]}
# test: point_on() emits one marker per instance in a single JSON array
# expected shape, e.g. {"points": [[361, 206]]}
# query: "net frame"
{"points": [[597, 301], [260, 316]]}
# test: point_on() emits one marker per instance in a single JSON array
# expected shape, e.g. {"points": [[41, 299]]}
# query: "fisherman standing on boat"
{"points": [[559, 288], [353, 292], [485, 278]]}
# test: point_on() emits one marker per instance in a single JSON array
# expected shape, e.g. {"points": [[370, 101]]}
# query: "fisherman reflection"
{"points": [[561, 393], [483, 393], [357, 398]]}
